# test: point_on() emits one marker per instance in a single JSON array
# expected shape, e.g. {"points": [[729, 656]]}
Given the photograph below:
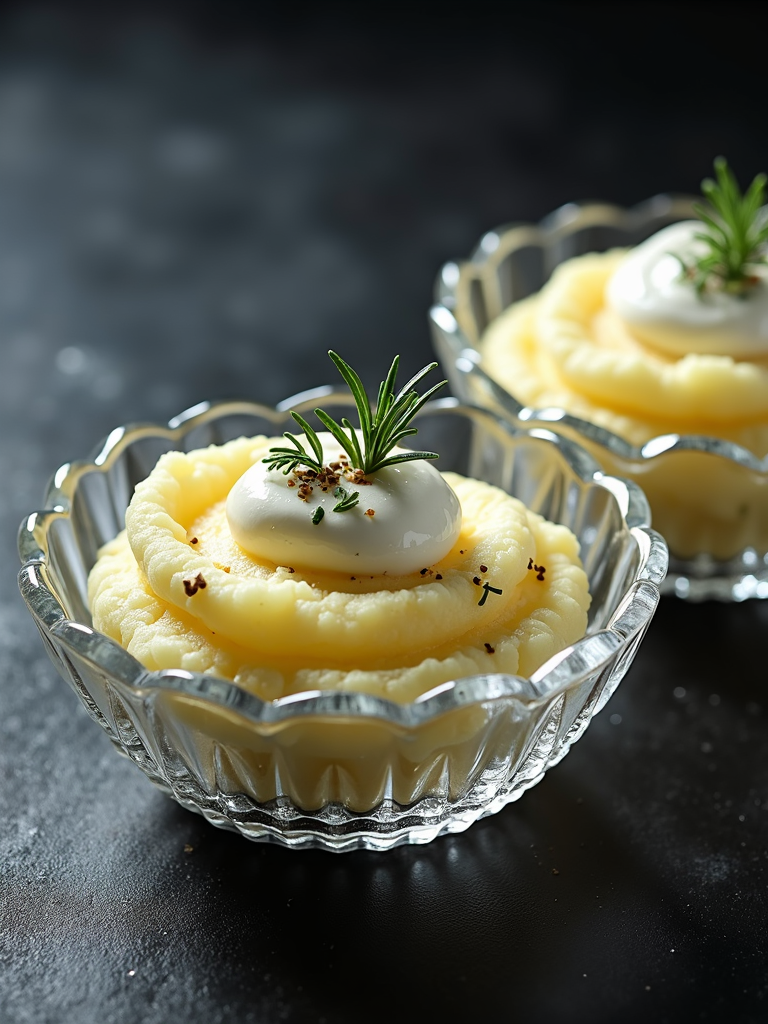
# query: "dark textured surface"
{"points": [[197, 207]]}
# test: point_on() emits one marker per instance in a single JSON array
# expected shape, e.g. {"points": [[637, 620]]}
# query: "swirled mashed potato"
{"points": [[177, 592], [565, 347]]}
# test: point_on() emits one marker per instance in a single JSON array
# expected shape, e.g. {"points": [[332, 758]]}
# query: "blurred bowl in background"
{"points": [[708, 496]]}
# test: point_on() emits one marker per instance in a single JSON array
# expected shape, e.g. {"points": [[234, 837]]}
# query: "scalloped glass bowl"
{"points": [[343, 770], [718, 485]]}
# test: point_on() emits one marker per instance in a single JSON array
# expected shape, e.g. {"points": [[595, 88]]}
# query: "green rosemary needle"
{"points": [[381, 430], [288, 459], [735, 231], [346, 500]]}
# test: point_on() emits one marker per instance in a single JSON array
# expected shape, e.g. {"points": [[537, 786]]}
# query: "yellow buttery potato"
{"points": [[564, 347], [277, 629]]}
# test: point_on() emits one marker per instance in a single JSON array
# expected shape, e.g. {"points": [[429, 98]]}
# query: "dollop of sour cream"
{"points": [[416, 519], [661, 309]]}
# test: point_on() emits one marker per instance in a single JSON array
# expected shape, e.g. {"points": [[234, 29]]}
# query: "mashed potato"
{"points": [[176, 591], [565, 347]]}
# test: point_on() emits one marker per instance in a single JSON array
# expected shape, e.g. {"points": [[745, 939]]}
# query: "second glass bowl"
{"points": [[720, 485]]}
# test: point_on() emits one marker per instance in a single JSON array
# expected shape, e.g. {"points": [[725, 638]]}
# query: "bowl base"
{"points": [[704, 579], [335, 829]]}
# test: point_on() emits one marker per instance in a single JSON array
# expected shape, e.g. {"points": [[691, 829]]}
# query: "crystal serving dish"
{"points": [[714, 483], [346, 770]]}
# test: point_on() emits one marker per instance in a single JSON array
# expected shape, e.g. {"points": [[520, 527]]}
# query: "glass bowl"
{"points": [[717, 484], [345, 770]]}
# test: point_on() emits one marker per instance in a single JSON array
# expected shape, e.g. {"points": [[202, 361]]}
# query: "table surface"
{"points": [[199, 207]]}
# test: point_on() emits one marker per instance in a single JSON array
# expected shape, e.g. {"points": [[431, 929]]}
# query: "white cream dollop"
{"points": [[659, 308], [416, 519]]}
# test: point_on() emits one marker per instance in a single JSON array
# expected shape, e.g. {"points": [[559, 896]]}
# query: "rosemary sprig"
{"points": [[381, 429], [735, 233], [288, 459]]}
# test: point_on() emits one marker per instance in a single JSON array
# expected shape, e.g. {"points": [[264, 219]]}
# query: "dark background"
{"points": [[197, 202]]}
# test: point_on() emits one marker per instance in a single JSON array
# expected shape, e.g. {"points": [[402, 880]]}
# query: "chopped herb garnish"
{"points": [[346, 500], [318, 514], [488, 589], [381, 430], [191, 586], [735, 231]]}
